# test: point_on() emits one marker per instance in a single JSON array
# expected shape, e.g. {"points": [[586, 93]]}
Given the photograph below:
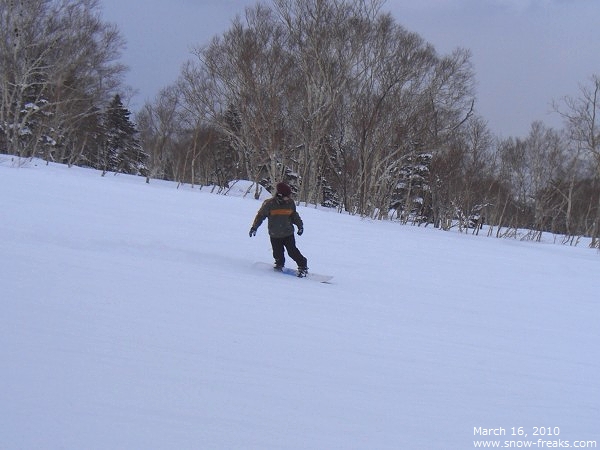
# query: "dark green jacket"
{"points": [[282, 216]]}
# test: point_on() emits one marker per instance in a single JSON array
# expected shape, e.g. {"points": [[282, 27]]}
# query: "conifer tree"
{"points": [[122, 151]]}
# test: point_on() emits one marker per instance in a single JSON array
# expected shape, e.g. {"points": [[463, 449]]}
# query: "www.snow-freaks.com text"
{"points": [[522, 437]]}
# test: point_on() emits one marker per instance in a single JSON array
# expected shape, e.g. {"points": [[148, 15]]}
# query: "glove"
{"points": [[252, 232], [300, 231]]}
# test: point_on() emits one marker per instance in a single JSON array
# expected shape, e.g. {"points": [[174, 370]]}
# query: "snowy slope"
{"points": [[131, 318]]}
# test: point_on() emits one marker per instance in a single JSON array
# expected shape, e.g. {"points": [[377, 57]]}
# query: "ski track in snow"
{"points": [[131, 317]]}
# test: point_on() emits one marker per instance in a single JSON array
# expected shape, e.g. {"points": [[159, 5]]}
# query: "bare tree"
{"points": [[567, 188], [387, 97], [582, 120], [241, 82], [321, 89], [461, 175], [57, 67], [159, 129], [544, 153], [325, 38]]}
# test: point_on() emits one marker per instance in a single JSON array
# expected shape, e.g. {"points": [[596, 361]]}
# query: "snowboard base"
{"points": [[292, 272]]}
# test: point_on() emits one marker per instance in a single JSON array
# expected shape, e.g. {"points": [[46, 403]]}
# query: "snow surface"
{"points": [[132, 318]]}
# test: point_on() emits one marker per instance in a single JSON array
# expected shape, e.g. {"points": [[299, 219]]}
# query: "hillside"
{"points": [[132, 318]]}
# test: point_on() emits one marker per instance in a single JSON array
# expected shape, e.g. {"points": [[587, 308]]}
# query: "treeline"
{"points": [[352, 109], [360, 114], [59, 84]]}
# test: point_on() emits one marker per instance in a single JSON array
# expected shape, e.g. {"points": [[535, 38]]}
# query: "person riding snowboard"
{"points": [[282, 215]]}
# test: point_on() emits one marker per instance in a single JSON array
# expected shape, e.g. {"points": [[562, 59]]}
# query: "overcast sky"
{"points": [[525, 53]]}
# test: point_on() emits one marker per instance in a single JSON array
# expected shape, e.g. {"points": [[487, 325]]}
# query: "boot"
{"points": [[302, 272]]}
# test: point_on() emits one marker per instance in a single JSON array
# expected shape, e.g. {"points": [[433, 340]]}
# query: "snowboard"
{"points": [[292, 272]]}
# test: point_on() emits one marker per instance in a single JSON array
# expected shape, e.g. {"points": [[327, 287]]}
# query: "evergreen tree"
{"points": [[122, 151]]}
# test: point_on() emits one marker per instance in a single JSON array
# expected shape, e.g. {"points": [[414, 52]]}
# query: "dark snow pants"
{"points": [[288, 243]]}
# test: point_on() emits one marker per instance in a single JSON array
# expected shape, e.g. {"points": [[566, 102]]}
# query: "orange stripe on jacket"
{"points": [[281, 212]]}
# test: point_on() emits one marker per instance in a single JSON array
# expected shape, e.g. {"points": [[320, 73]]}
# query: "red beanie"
{"points": [[284, 189]]}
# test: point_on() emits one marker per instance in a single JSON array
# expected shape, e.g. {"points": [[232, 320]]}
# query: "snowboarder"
{"points": [[282, 215]]}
